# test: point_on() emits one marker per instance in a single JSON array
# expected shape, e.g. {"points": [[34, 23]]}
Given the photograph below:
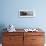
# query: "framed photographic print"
{"points": [[26, 13]]}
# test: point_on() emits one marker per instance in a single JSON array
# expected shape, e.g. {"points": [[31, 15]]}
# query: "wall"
{"points": [[10, 13]]}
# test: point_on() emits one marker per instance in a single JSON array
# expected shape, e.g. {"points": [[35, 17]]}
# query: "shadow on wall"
{"points": [[2, 26]]}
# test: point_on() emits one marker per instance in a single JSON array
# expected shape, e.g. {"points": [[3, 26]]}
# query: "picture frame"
{"points": [[26, 13]]}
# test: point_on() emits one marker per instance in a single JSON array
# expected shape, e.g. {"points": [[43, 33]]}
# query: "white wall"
{"points": [[10, 13]]}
